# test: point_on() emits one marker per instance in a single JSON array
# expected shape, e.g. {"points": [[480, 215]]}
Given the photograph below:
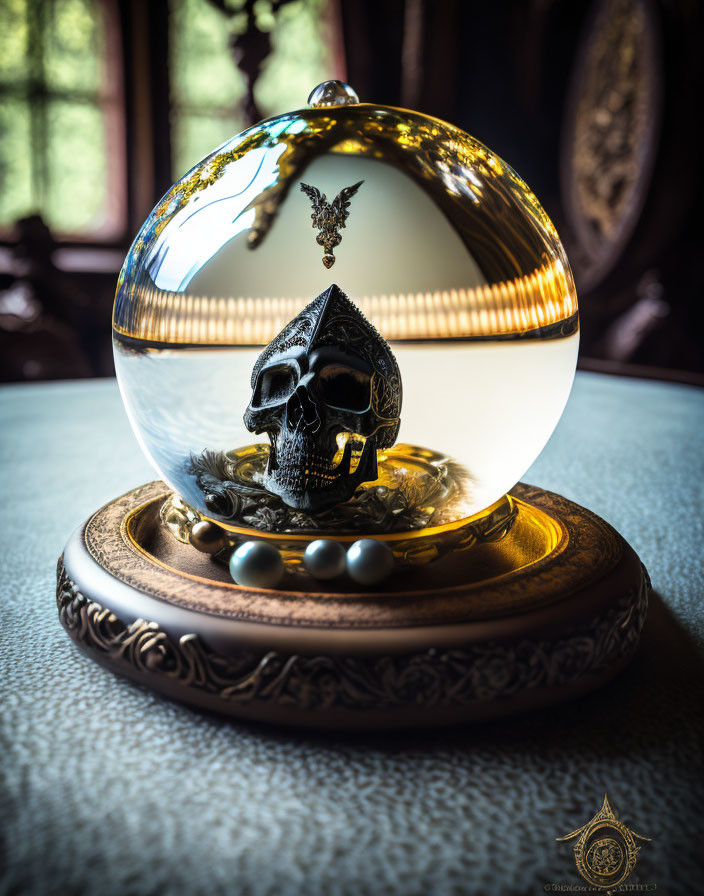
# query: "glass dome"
{"points": [[441, 245]]}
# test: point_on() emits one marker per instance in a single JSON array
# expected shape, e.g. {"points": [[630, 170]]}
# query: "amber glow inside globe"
{"points": [[445, 251]]}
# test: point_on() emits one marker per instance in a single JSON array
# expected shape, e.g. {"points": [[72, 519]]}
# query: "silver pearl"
{"points": [[369, 561], [257, 564], [324, 559]]}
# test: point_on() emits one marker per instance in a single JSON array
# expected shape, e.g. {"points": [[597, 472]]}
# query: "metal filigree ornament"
{"points": [[606, 850], [429, 678], [327, 392], [329, 217]]}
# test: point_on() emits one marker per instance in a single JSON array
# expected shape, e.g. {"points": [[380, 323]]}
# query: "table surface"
{"points": [[108, 789]]}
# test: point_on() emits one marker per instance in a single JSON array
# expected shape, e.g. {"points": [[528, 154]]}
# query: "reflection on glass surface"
{"points": [[445, 250]]}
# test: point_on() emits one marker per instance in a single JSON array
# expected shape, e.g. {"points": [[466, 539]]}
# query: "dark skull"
{"points": [[328, 372]]}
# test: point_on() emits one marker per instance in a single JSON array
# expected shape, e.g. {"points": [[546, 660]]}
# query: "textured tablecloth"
{"points": [[108, 789]]}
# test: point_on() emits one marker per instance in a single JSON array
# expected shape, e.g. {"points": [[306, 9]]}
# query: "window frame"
{"points": [[109, 99]]}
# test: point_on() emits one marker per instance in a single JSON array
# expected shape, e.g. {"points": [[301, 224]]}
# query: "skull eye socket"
{"points": [[344, 387], [275, 385]]}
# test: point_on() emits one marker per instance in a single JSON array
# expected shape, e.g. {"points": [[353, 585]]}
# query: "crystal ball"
{"points": [[441, 246]]}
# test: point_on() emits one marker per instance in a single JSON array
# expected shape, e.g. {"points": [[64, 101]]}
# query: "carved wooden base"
{"points": [[496, 630]]}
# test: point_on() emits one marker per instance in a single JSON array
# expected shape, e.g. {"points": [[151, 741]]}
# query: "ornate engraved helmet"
{"points": [[327, 391]]}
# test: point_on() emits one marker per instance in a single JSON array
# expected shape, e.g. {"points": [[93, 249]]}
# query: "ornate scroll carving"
{"points": [[485, 672]]}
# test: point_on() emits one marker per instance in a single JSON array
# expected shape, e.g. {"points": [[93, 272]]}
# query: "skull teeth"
{"points": [[300, 466]]}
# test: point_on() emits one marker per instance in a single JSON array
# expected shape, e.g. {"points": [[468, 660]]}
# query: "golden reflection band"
{"points": [[541, 304]]}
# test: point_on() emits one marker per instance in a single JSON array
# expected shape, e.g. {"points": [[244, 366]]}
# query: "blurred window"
{"points": [[207, 88], [61, 116]]}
